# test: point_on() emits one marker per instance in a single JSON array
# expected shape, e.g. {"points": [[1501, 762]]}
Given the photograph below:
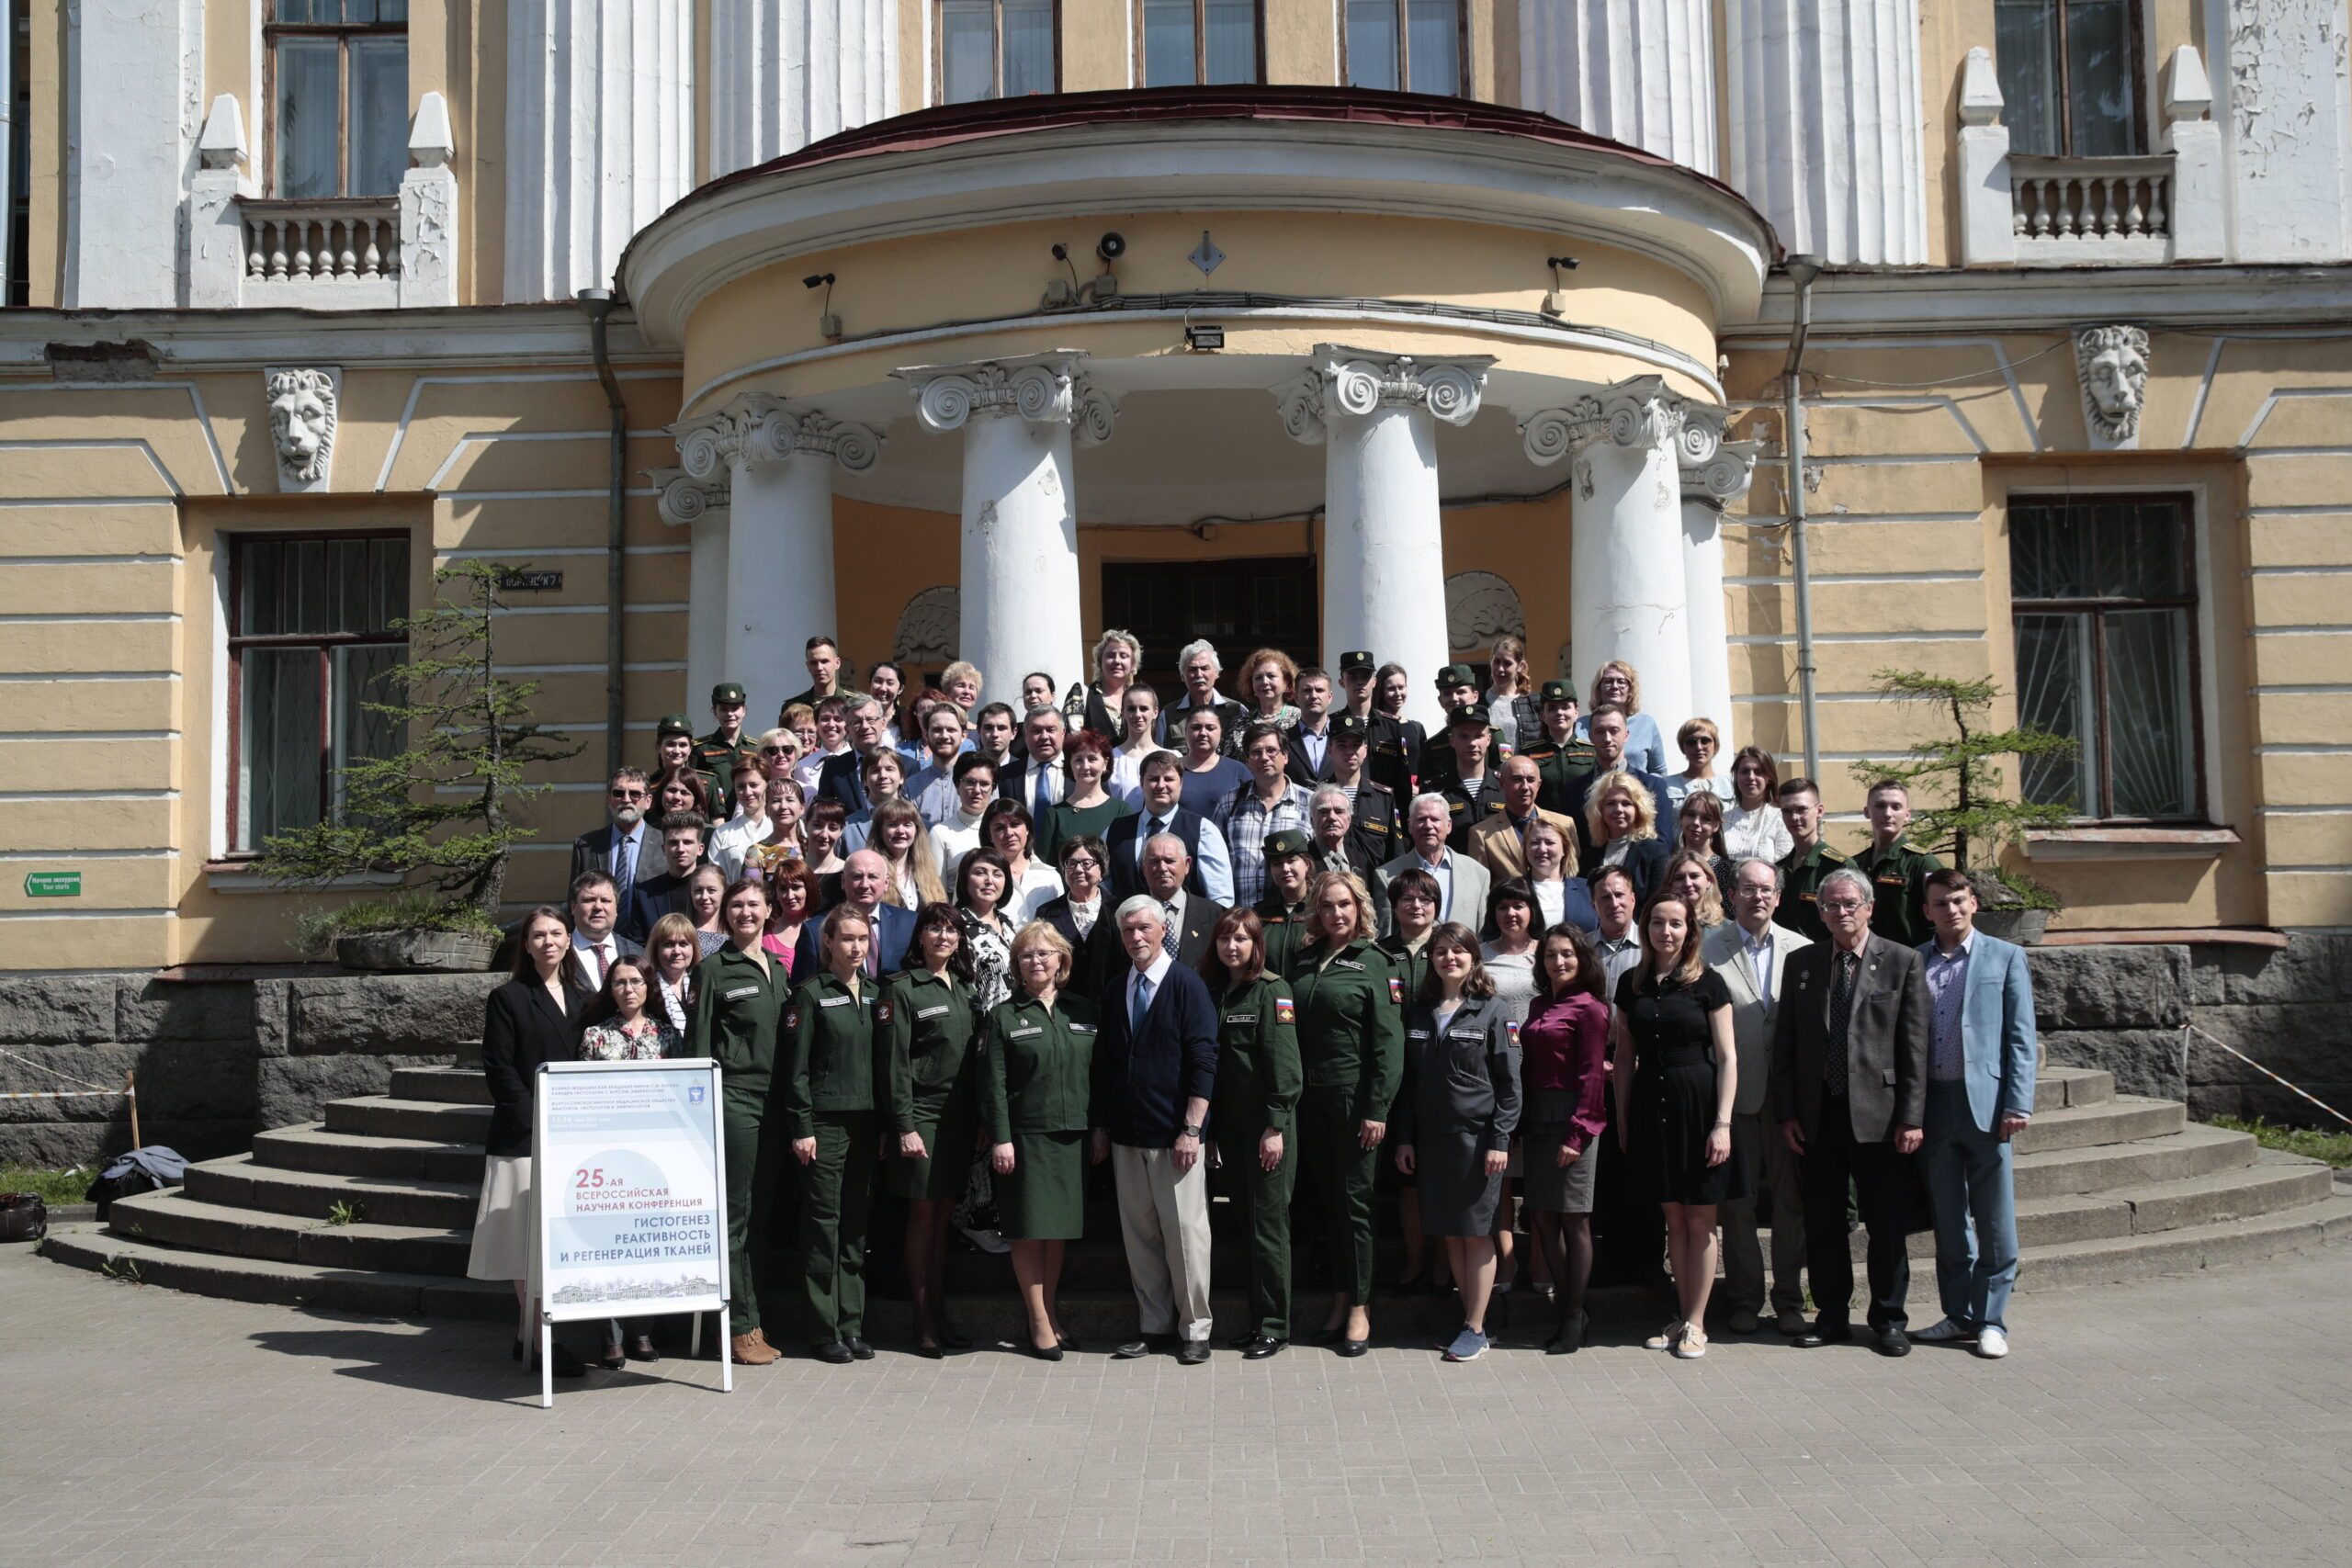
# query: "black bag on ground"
{"points": [[149, 1169], [23, 1216]]}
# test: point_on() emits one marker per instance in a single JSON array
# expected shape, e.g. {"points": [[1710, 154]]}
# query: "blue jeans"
{"points": [[1974, 1200]]}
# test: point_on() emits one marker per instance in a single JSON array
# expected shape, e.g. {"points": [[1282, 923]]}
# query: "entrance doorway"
{"points": [[1240, 605]]}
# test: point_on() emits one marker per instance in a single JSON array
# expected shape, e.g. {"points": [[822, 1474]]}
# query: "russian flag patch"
{"points": [[1285, 1010], [1395, 990]]}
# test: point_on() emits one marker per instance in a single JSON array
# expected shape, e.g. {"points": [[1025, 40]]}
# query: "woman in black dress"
{"points": [[1676, 1074]]}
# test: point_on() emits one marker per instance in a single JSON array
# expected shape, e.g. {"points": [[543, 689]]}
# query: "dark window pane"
{"points": [[2049, 552], [279, 721], [1233, 40], [1028, 47], [257, 596], [357, 679], [1167, 43], [1372, 43], [2053, 687], [379, 115], [2025, 47], [2154, 755], [966, 50], [306, 112], [2102, 96], [391, 10], [387, 584], [2139, 551], [1434, 45], [306, 10]]}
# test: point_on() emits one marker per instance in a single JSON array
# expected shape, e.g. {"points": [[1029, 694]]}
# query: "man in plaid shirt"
{"points": [[1267, 803]]}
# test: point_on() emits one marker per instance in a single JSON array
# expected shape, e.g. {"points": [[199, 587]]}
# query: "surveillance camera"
{"points": [[817, 280], [1061, 253], [1110, 246]]}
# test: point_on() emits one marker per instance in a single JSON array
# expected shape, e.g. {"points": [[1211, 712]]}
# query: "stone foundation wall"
{"points": [[216, 1061]]}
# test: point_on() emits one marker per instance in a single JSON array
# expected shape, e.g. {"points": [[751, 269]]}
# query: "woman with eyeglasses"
{"points": [[1698, 740]]}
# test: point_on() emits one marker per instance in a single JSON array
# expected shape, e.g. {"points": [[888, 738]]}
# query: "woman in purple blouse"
{"points": [[1564, 1047]]}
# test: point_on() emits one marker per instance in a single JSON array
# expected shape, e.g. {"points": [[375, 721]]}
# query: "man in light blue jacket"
{"points": [[1981, 1055]]}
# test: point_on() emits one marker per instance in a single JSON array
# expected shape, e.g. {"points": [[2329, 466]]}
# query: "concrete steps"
{"points": [[2109, 1187]]}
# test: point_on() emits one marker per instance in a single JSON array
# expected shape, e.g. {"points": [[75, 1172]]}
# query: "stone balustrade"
{"points": [[2090, 201], [325, 242]]}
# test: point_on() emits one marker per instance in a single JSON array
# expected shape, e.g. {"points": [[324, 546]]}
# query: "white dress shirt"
{"points": [[596, 954], [1040, 886], [951, 840], [1442, 870], [733, 839]]}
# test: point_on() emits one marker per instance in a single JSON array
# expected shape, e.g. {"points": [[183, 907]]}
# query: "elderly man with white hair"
{"points": [[1462, 882], [1198, 664], [1156, 1065]]}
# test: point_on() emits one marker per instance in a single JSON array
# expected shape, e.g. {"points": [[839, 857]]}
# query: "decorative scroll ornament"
{"points": [[1357, 382], [2113, 365], [1479, 607], [1042, 389], [760, 427], [1714, 471], [1639, 412], [302, 415], [684, 500], [931, 628]]}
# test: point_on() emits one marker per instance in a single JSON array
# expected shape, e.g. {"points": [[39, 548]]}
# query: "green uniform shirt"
{"points": [[1258, 1071], [717, 757], [925, 1023], [1352, 1024], [831, 1063], [738, 1010], [1285, 927], [1562, 764], [1040, 1075], [1899, 890], [1801, 873], [1412, 965]]}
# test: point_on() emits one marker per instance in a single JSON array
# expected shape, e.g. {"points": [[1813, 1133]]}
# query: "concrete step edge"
{"points": [[374, 1293]]}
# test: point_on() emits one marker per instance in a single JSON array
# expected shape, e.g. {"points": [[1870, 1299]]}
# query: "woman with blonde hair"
{"points": [[1698, 741], [1620, 684], [1118, 657], [1561, 896], [1621, 818], [898, 838], [1692, 878]]}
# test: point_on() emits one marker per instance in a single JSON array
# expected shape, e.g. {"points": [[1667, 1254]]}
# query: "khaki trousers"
{"points": [[1165, 1219], [1771, 1172]]}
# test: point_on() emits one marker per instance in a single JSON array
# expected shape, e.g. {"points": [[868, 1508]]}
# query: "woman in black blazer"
{"points": [[534, 1018]]}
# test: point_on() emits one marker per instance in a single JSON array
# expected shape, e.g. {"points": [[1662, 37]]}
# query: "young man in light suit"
{"points": [[1749, 952], [1981, 1059]]}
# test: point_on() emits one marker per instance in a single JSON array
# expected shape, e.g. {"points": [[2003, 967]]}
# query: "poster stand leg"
{"points": [[726, 1354], [694, 1341], [546, 1362]]}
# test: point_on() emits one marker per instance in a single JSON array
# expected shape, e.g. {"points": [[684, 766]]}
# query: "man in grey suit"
{"points": [[1981, 1050], [1749, 952], [1849, 1089], [1462, 882], [622, 849]]}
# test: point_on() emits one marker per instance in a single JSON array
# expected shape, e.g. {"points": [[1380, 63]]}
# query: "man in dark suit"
{"points": [[1163, 787], [865, 878], [1155, 1065], [1309, 740], [1849, 1089], [840, 776], [1607, 730], [1039, 781], [617, 848], [1190, 919], [684, 836]]}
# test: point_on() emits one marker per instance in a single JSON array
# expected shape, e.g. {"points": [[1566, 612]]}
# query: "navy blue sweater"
{"points": [[1145, 1076]]}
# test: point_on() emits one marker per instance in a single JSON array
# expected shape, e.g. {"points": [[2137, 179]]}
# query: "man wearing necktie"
{"points": [[1162, 781], [594, 943]]}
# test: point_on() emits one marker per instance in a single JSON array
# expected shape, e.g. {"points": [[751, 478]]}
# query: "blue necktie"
{"points": [[1142, 1001], [1044, 795]]}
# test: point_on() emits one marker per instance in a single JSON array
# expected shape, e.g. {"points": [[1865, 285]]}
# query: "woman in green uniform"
{"points": [[1351, 1046], [1413, 897], [740, 995], [833, 1085], [1254, 1111], [1039, 1092], [928, 1018]]}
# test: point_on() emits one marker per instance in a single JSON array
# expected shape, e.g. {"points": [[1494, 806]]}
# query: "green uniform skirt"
{"points": [[937, 1118], [1044, 1198]]}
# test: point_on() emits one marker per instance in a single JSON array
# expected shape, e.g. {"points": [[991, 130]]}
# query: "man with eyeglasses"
{"points": [[617, 848]]}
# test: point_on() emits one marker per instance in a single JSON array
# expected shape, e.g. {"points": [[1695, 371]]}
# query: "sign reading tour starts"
{"points": [[632, 1197]]}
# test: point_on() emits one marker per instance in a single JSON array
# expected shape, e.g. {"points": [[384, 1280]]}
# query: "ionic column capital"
{"points": [[684, 500], [1344, 380], [1641, 413], [759, 427], [1045, 389], [1714, 471]]}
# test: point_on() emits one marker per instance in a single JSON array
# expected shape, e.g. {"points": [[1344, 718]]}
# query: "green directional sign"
{"points": [[52, 884]]}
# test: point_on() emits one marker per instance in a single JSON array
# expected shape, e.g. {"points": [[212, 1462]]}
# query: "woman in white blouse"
{"points": [[1752, 822]]}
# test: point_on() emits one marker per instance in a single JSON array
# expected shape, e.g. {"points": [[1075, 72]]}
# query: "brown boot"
{"points": [[751, 1350]]}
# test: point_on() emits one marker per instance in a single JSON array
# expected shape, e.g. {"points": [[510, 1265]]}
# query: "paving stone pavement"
{"points": [[2205, 1419]]}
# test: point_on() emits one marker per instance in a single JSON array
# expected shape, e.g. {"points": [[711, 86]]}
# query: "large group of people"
{"points": [[1567, 1008]]}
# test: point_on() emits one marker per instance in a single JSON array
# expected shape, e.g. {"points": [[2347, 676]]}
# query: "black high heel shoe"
{"points": [[518, 1350], [1045, 1352]]}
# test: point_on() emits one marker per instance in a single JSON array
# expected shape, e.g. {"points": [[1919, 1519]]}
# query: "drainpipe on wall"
{"points": [[7, 142], [1802, 271], [598, 304]]}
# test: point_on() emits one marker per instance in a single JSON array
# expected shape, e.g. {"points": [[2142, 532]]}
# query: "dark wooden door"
{"points": [[1239, 605]]}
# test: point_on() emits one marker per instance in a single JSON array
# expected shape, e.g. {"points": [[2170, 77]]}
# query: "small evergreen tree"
{"points": [[465, 729], [1958, 809]]}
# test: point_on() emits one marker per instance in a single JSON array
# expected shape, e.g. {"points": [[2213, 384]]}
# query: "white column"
{"points": [[700, 508], [600, 135], [1714, 472], [785, 72], [133, 112], [1987, 210], [1019, 417], [777, 463], [1640, 72], [1383, 538], [1825, 125]]}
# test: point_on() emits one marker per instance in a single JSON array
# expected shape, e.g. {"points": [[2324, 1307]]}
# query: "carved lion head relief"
{"points": [[302, 425], [2113, 365]]}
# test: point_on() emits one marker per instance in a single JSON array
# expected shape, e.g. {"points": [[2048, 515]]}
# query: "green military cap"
{"points": [[673, 724], [1559, 692], [1288, 841], [1457, 675], [1467, 713], [1356, 659], [726, 691], [1350, 726]]}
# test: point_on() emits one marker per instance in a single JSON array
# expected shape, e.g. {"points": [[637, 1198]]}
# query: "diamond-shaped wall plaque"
{"points": [[1205, 256]]}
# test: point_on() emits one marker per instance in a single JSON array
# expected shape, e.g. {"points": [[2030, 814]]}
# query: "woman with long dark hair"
{"points": [[929, 1018], [1564, 1049]]}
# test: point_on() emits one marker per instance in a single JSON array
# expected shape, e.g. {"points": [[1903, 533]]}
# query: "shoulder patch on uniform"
{"points": [[882, 1012], [1285, 1010], [1511, 1028], [1396, 989], [792, 1018]]}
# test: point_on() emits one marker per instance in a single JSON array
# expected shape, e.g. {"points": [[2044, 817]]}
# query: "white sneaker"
{"points": [[1944, 1331], [1666, 1338], [1992, 1343]]}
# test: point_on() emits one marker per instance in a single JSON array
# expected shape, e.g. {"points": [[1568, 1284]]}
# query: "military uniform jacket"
{"points": [[1350, 1024], [1801, 873], [1040, 1067], [1375, 826], [926, 1024], [1258, 1071], [1469, 806], [1464, 1077], [1286, 927], [717, 757], [1396, 755], [1561, 765], [738, 1012], [830, 1063], [1412, 967], [1899, 890]]}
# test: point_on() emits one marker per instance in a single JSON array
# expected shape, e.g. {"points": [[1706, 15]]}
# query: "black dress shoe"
{"points": [[833, 1352], [1043, 1352], [1891, 1341], [1193, 1353], [641, 1349], [859, 1347], [1258, 1349], [1822, 1333], [929, 1349], [614, 1360], [1354, 1348], [1570, 1338]]}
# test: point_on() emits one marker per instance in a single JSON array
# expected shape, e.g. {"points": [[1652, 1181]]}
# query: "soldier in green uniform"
{"points": [[718, 752], [1290, 867], [927, 1024], [1413, 902], [1804, 867], [1352, 1049], [835, 1082], [740, 1001], [1472, 791], [1254, 1111], [1374, 823], [1897, 868], [674, 747], [1392, 744], [1457, 688], [1560, 755]]}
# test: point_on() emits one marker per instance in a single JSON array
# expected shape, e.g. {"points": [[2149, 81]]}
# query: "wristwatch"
{"points": [[1188, 1132]]}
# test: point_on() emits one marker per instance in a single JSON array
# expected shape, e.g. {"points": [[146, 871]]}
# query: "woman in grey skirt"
{"points": [[1457, 1116], [1564, 1053]]}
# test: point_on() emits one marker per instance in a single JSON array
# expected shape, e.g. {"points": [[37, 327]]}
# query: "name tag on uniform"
{"points": [[1377, 824], [939, 1011], [1885, 880], [738, 993], [834, 1001], [1081, 1029], [1416, 1035], [1470, 1034], [1026, 1033], [1347, 964], [1242, 1018]]}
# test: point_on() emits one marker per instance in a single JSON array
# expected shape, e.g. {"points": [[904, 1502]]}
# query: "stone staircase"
{"points": [[2108, 1188]]}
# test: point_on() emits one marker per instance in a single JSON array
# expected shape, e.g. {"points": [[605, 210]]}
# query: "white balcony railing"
{"points": [[2102, 205], [348, 240]]}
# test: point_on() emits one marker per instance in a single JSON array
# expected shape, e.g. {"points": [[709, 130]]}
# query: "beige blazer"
{"points": [[1752, 1020], [1494, 844]]}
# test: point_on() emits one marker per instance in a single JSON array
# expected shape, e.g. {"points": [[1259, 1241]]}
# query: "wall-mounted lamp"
{"points": [[827, 324], [1552, 306]]}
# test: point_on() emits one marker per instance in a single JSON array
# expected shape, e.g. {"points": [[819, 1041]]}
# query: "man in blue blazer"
{"points": [[865, 877], [1211, 875], [1155, 1065], [1981, 1050]]}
